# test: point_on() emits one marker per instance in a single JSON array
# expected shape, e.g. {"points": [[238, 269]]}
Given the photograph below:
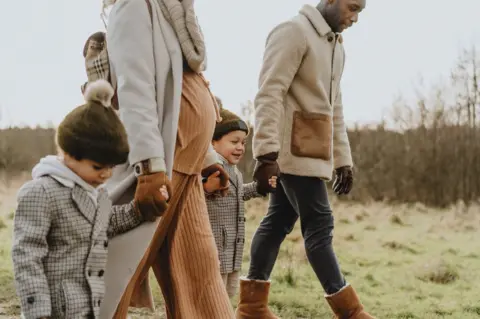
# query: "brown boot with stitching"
{"points": [[345, 304], [253, 301]]}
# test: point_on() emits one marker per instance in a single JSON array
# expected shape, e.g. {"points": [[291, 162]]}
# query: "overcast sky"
{"points": [[395, 42]]}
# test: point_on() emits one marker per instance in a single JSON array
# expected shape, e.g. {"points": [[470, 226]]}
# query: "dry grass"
{"points": [[405, 261]]}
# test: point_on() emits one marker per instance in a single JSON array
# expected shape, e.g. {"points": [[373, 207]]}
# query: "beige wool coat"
{"points": [[146, 63], [298, 107]]}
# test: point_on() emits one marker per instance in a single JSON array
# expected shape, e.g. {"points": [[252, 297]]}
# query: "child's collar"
{"points": [[223, 159]]}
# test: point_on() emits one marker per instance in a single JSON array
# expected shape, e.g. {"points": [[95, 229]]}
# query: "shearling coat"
{"points": [[298, 107], [60, 248], [227, 218]]}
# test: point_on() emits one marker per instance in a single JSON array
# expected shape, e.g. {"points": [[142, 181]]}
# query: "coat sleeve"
{"points": [[342, 155], [250, 191], [285, 47], [31, 226], [131, 54], [122, 219]]}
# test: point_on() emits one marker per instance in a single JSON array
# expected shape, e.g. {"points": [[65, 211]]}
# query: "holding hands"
{"points": [[213, 185], [266, 172], [216, 180], [152, 194]]}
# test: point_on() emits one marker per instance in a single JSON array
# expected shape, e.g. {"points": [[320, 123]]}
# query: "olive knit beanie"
{"points": [[94, 131], [230, 122]]}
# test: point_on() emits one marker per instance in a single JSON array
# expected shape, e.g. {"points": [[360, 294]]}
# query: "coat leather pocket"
{"points": [[311, 135]]}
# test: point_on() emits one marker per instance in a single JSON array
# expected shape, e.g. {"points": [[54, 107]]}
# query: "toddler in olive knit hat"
{"points": [[226, 214], [64, 217]]}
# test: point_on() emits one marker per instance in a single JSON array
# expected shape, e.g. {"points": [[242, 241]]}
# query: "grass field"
{"points": [[405, 261]]}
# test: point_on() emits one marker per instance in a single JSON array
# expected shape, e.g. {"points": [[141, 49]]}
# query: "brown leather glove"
{"points": [[266, 167], [343, 180], [149, 202], [224, 178]]}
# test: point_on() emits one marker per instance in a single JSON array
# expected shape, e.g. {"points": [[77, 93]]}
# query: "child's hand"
{"points": [[213, 183], [164, 192], [273, 181]]}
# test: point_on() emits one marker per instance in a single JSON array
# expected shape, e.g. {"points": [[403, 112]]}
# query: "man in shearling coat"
{"points": [[300, 135]]}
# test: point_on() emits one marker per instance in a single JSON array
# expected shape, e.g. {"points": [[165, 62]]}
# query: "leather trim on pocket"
{"points": [[311, 135]]}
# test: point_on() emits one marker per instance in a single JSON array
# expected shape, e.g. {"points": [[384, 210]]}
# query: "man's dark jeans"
{"points": [[307, 198]]}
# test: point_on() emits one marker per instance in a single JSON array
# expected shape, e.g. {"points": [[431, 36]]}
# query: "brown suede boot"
{"points": [[253, 301], [345, 304]]}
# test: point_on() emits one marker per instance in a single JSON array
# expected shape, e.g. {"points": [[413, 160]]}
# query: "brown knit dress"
{"points": [[186, 266]]}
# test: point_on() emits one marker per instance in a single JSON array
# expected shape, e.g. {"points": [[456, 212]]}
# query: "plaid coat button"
{"points": [[31, 299]]}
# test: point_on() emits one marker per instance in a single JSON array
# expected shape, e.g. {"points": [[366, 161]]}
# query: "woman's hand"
{"points": [[151, 195]]}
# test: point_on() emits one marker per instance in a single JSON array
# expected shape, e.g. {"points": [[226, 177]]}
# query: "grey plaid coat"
{"points": [[60, 248], [227, 218]]}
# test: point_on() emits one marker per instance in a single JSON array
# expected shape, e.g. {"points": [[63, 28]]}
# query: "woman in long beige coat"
{"points": [[157, 59]]}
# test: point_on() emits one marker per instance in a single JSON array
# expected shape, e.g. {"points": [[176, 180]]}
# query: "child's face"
{"points": [[91, 172], [231, 146]]}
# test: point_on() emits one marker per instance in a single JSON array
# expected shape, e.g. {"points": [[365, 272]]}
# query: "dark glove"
{"points": [[343, 180], [265, 167], [149, 202], [224, 178]]}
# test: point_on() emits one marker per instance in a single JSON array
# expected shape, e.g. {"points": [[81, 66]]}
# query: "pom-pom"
{"points": [[99, 91]]}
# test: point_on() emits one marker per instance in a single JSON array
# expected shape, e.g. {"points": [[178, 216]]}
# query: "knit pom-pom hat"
{"points": [[93, 131], [230, 122]]}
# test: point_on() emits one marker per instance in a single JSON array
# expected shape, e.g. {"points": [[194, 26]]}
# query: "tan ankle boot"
{"points": [[253, 301], [345, 304]]}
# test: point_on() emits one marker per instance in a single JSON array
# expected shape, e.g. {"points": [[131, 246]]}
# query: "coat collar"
{"points": [[98, 216], [316, 19], [229, 168], [84, 203]]}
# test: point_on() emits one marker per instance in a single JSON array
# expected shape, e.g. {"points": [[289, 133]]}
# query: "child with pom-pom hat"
{"points": [[64, 218]]}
